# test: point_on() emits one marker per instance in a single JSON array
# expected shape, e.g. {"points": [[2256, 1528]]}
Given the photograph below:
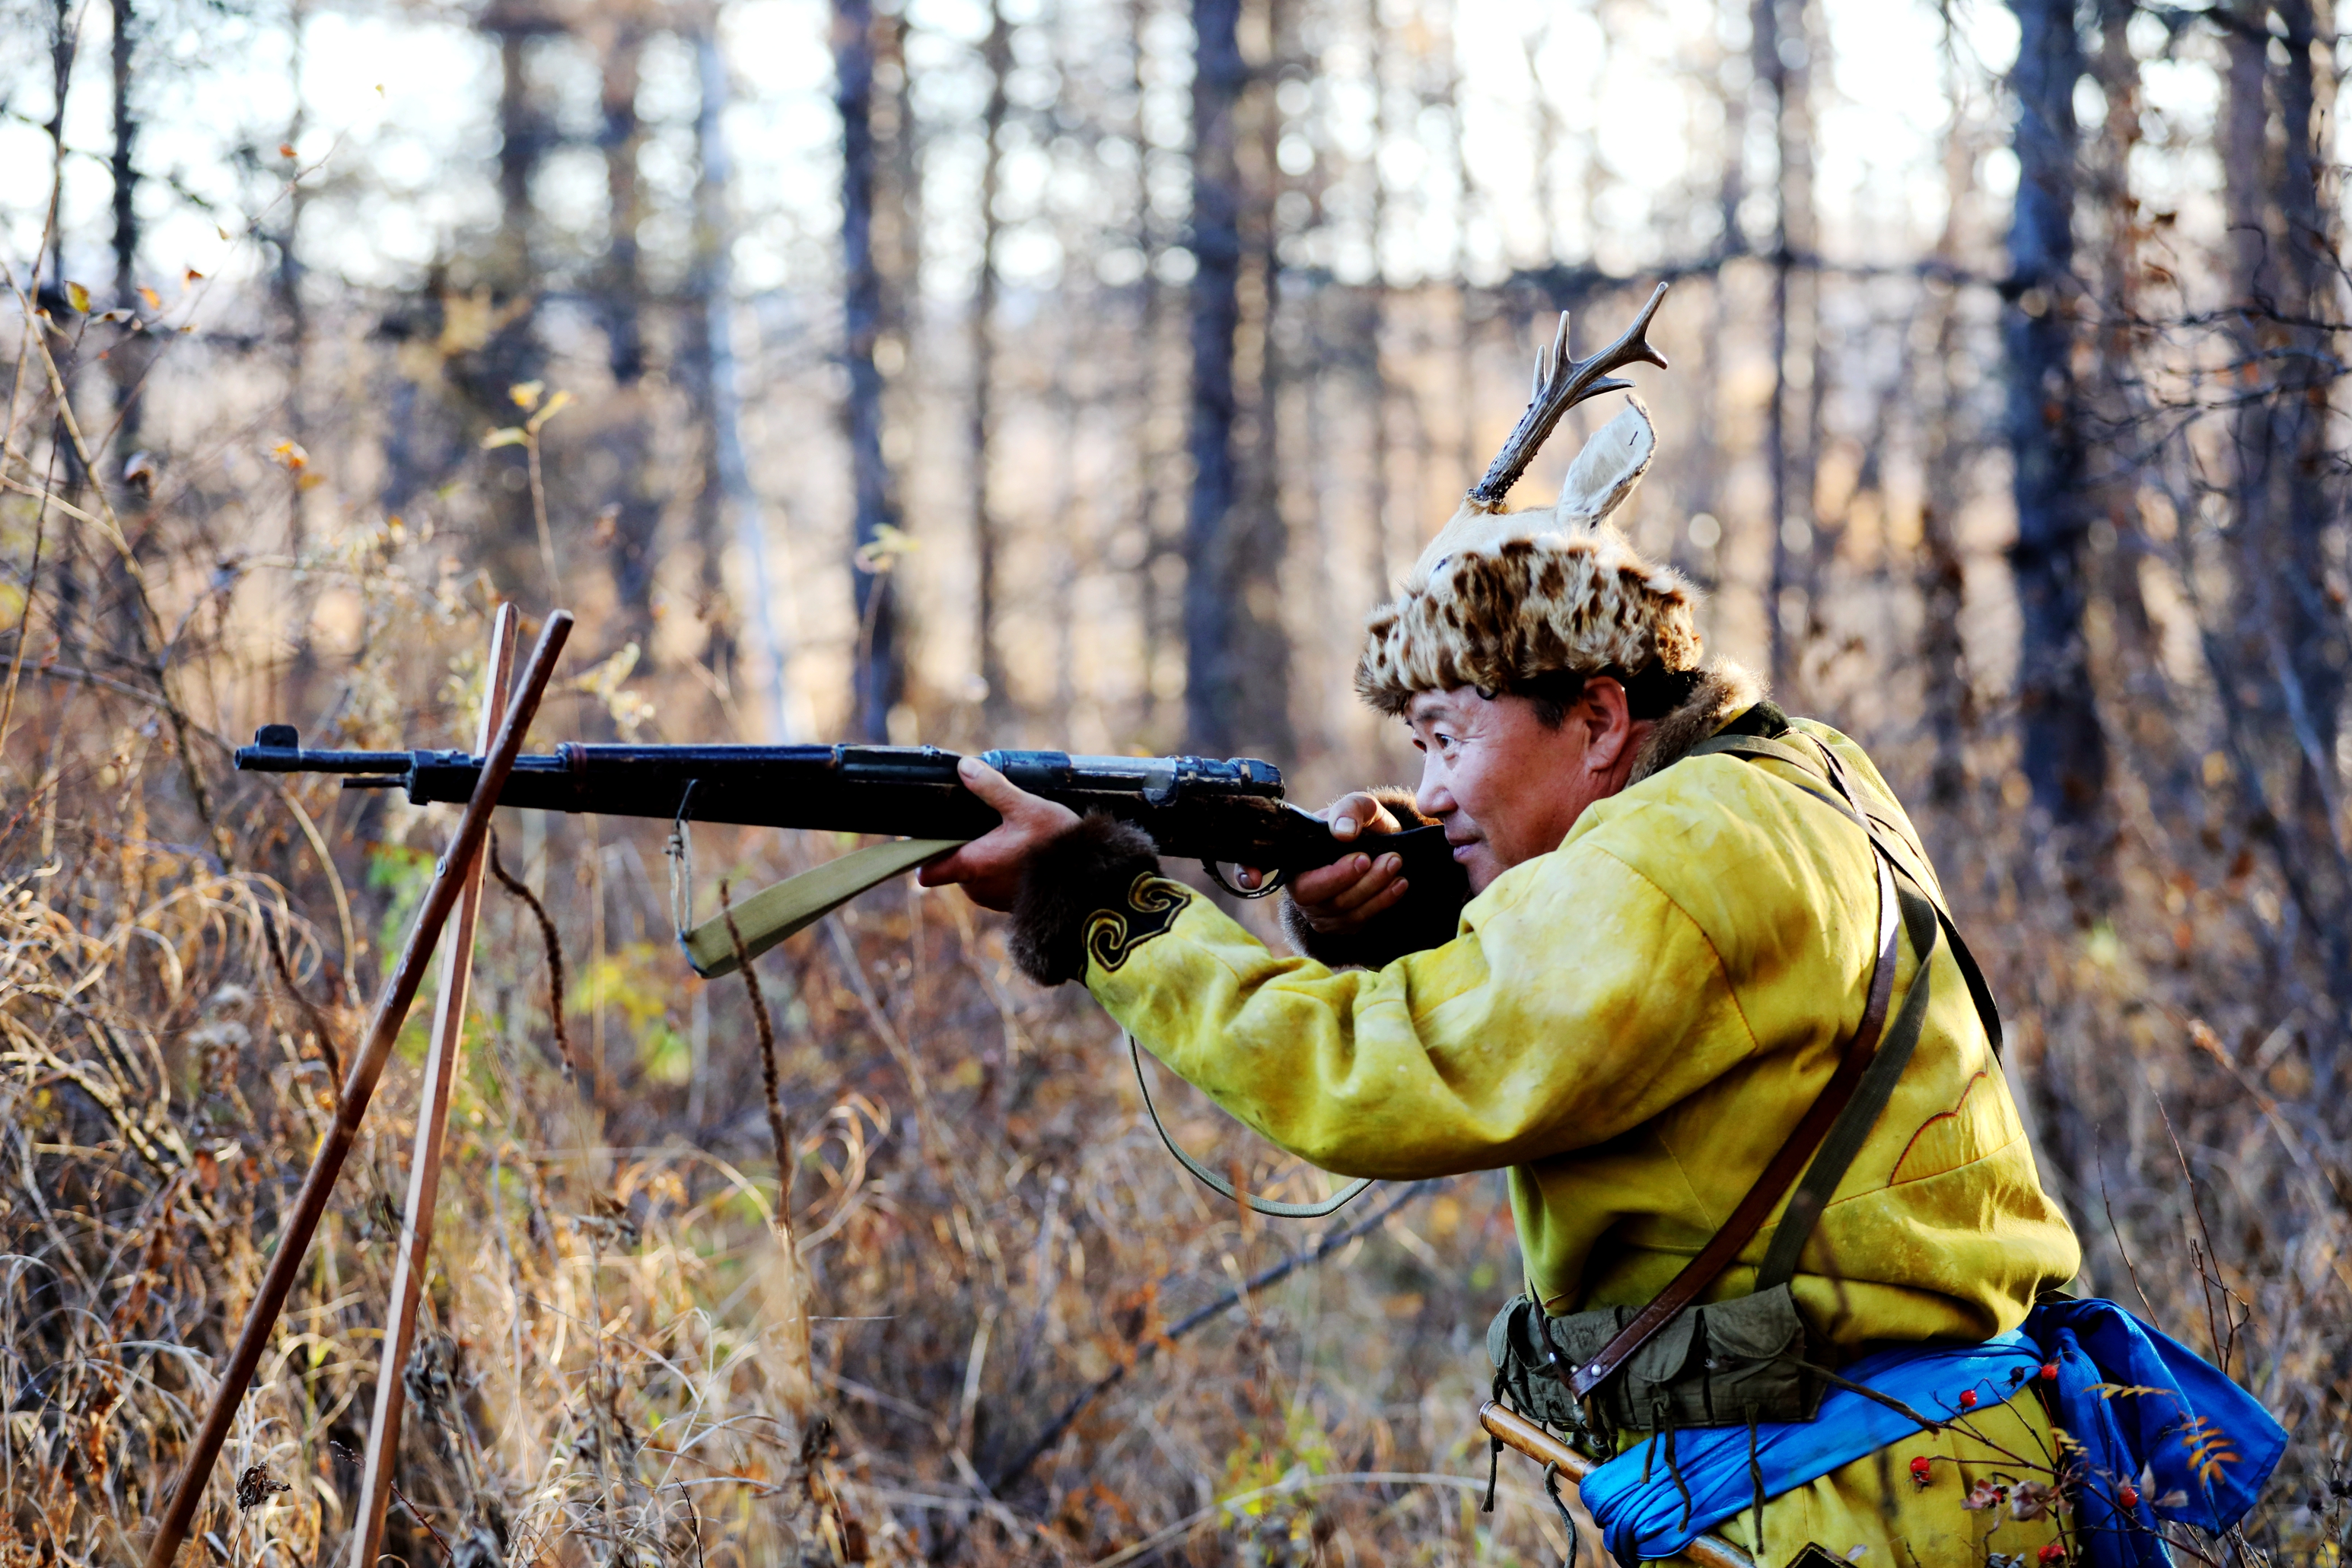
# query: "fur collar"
{"points": [[1726, 690]]}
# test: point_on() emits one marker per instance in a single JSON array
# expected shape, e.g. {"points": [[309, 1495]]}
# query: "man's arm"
{"points": [[1544, 1026]]}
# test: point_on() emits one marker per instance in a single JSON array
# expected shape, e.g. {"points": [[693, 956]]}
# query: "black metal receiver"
{"points": [[1195, 808]]}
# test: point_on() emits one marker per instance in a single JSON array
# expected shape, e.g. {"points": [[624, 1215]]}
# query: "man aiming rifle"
{"points": [[1703, 955]]}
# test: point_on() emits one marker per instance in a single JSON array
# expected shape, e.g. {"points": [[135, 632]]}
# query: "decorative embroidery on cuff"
{"points": [[1152, 906]]}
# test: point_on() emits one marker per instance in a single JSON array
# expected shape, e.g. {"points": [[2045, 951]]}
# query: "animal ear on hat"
{"points": [[1605, 473]]}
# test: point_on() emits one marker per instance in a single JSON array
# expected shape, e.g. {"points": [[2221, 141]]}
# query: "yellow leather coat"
{"points": [[1632, 1024]]}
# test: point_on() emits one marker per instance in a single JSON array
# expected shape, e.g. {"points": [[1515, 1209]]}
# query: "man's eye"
{"points": [[1420, 745]]}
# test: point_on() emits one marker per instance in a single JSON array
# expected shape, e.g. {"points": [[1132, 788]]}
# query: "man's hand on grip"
{"points": [[1341, 897], [989, 868]]}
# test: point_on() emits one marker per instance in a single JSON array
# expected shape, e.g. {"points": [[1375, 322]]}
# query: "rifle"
{"points": [[1220, 813]]}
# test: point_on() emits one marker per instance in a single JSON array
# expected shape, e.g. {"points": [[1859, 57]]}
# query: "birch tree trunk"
{"points": [[727, 480], [127, 360]]}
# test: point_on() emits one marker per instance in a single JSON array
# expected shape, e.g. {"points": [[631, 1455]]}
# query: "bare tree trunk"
{"points": [[996, 702], [2138, 669], [1237, 656], [1772, 70], [2313, 628], [727, 484], [67, 472], [2286, 653], [2063, 753], [877, 678], [706, 522], [65, 42], [1814, 541], [631, 512], [1161, 600], [128, 361], [620, 137], [1946, 693], [514, 353], [1377, 313], [286, 283]]}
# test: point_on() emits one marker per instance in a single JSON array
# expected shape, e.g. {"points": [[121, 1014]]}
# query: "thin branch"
{"points": [[1331, 1241]]}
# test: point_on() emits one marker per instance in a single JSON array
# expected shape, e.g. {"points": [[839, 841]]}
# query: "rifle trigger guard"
{"points": [[1274, 882]]}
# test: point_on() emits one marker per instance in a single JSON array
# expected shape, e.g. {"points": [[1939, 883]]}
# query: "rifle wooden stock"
{"points": [[1516, 1432]]}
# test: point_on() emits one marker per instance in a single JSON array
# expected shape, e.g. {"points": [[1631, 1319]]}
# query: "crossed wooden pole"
{"points": [[456, 887]]}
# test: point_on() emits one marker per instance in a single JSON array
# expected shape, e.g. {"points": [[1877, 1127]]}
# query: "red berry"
{"points": [[2128, 1495], [2049, 1371], [1967, 1398], [2053, 1553]]}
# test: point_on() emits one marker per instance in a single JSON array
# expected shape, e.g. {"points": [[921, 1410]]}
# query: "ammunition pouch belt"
{"points": [[1723, 1365]]}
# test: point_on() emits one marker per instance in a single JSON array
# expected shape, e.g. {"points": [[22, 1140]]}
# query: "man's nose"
{"points": [[1433, 799]]}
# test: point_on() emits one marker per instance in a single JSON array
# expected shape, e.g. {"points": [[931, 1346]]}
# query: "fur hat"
{"points": [[1499, 598]]}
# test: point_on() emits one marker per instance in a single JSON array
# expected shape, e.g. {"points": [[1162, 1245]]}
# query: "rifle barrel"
{"points": [[1220, 813], [1194, 807]]}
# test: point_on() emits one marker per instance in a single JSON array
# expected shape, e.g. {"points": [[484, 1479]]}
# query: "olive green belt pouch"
{"points": [[1723, 1365]]}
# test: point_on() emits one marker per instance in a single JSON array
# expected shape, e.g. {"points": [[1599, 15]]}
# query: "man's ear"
{"points": [[1608, 719]]}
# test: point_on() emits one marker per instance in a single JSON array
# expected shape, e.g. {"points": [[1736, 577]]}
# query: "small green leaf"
{"points": [[511, 435], [78, 296]]}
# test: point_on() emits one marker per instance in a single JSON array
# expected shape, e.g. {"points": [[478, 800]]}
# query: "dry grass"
{"points": [[619, 1364], [634, 1355]]}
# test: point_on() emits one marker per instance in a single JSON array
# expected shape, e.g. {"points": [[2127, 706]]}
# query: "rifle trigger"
{"points": [[1274, 882]]}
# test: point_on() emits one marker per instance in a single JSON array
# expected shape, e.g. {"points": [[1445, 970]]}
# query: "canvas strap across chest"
{"points": [[1672, 1362]]}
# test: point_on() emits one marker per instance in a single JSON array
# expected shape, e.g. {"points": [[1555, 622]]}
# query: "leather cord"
{"points": [[1225, 1188]]}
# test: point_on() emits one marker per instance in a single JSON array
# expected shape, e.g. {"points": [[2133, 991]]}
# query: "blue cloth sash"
{"points": [[2132, 1402]]}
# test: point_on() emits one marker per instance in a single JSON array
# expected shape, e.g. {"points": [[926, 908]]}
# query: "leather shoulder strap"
{"points": [[1852, 1128], [1779, 1174], [1824, 768], [1839, 1121]]}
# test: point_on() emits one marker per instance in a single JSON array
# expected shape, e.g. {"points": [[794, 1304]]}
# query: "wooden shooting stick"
{"points": [[424, 1162], [1516, 1431], [390, 1011]]}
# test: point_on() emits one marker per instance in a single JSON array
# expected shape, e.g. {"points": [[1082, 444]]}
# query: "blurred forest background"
{"points": [[1077, 372]]}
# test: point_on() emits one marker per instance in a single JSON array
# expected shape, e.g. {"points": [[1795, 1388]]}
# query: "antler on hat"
{"points": [[1499, 598]]}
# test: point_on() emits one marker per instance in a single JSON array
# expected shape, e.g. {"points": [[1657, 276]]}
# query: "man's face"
{"points": [[1506, 788]]}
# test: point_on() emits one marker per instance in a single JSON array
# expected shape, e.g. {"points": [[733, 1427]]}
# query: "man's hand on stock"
{"points": [[1342, 897], [989, 868]]}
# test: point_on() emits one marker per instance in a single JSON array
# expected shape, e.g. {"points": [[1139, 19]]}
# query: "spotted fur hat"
{"points": [[1500, 597]]}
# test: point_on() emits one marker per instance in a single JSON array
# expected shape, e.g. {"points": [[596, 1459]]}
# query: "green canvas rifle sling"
{"points": [[799, 902]]}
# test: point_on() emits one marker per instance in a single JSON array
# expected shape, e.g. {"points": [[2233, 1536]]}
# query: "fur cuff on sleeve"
{"points": [[1087, 869], [1389, 935]]}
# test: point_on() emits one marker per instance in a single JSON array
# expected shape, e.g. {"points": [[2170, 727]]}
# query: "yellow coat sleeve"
{"points": [[1540, 1030]]}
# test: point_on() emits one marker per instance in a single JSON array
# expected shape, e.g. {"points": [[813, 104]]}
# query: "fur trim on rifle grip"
{"points": [[1382, 941], [1087, 869]]}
